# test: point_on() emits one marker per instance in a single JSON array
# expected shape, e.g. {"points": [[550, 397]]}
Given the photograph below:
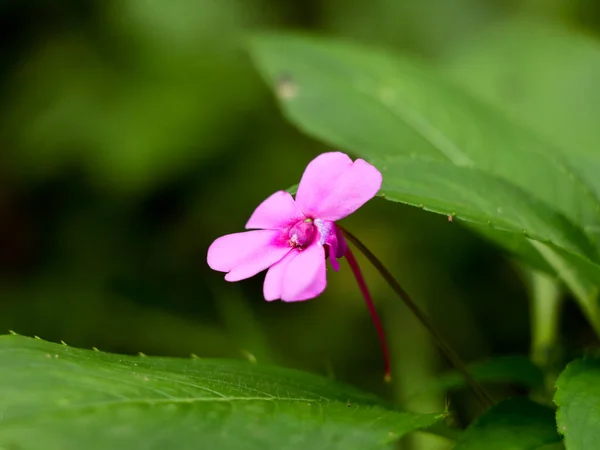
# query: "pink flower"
{"points": [[292, 238]]}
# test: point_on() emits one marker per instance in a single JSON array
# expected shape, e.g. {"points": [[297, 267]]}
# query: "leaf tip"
{"points": [[13, 333], [95, 349], [142, 355], [194, 356]]}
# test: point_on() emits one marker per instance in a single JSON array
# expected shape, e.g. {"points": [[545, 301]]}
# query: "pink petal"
{"points": [[333, 261], [245, 254], [337, 249], [340, 250], [305, 275], [333, 187], [301, 275], [276, 212], [273, 285], [331, 236]]}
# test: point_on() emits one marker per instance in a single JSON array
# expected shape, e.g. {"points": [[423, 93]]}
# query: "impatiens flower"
{"points": [[293, 238]]}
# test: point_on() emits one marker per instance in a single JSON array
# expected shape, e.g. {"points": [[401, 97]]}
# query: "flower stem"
{"points": [[546, 302], [482, 395], [369, 301]]}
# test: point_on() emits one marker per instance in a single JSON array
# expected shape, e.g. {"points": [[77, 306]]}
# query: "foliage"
{"points": [[515, 423], [135, 132], [440, 148], [69, 398], [577, 398]]}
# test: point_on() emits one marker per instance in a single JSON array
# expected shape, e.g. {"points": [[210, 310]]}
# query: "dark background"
{"points": [[135, 132]]}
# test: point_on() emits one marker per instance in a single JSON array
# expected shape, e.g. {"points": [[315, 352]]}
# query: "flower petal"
{"points": [[245, 254], [340, 250], [274, 279], [304, 276], [276, 212], [337, 249], [333, 187], [330, 235], [300, 275]]}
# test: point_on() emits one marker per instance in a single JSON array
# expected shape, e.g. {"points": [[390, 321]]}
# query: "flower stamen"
{"points": [[302, 234]]}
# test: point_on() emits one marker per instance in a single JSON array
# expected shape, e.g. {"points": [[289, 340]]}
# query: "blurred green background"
{"points": [[135, 132]]}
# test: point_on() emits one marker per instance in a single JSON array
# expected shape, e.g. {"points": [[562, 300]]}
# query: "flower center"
{"points": [[302, 234]]}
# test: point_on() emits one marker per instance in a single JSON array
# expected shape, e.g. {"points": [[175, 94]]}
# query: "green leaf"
{"points": [[512, 369], [58, 397], [540, 73], [516, 424], [578, 399], [377, 105], [380, 107], [589, 168], [473, 196], [544, 76]]}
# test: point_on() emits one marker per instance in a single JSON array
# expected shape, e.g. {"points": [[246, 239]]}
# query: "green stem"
{"points": [[482, 395], [585, 293], [546, 301]]}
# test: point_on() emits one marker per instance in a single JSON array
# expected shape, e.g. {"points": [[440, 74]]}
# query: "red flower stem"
{"points": [[482, 395], [369, 301]]}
